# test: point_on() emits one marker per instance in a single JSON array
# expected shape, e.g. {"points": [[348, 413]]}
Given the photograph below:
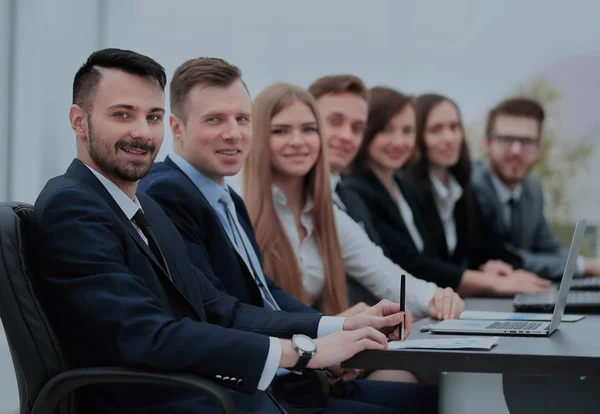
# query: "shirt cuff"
{"points": [[580, 265], [271, 364], [329, 325]]}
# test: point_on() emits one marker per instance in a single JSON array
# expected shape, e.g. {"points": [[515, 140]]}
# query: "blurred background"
{"points": [[473, 51]]}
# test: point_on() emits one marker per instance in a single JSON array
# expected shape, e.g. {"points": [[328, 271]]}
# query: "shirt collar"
{"points": [[334, 180], [280, 200], [129, 207], [451, 193], [210, 189], [503, 192]]}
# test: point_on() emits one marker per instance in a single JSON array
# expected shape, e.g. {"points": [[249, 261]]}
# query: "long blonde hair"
{"points": [[279, 259]]}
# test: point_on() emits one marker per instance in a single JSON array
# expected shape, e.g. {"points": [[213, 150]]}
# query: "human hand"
{"points": [[520, 281], [497, 267], [385, 317], [355, 310], [446, 304], [338, 347], [336, 373]]}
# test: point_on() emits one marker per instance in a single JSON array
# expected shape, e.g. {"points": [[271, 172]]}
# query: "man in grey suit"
{"points": [[512, 197]]}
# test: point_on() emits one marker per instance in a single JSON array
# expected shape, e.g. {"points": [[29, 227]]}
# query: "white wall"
{"points": [[5, 46]]}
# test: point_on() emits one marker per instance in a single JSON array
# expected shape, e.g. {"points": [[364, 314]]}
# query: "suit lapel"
{"points": [[214, 216], [80, 171], [387, 200], [498, 208]]}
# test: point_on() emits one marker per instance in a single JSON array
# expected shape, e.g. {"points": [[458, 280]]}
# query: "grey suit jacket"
{"points": [[537, 244]]}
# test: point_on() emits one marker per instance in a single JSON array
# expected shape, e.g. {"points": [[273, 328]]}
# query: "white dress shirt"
{"points": [[504, 195], [130, 207], [409, 219], [213, 192], [334, 180], [445, 199], [363, 260]]}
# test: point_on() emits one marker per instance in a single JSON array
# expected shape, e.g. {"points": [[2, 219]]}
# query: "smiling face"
{"points": [[217, 133], [344, 120], [295, 143], [121, 134], [513, 147], [393, 146], [443, 135]]}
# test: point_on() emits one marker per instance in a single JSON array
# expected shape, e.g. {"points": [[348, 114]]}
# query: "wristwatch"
{"points": [[306, 348]]}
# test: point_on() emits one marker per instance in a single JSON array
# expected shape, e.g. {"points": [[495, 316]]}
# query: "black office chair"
{"points": [[44, 378]]}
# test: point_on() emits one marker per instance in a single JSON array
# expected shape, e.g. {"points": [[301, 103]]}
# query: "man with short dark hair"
{"points": [[123, 290], [506, 188]]}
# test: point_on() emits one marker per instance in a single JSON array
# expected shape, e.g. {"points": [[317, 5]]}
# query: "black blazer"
{"points": [[207, 242], [472, 250], [395, 237], [356, 208], [114, 304]]}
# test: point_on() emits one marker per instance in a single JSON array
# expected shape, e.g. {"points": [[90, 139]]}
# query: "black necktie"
{"points": [[140, 220], [515, 221]]}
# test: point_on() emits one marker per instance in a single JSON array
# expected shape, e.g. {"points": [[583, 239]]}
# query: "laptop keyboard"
{"points": [[515, 325], [591, 283]]}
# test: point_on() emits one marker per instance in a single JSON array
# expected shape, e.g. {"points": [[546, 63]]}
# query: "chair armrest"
{"points": [[65, 382]]}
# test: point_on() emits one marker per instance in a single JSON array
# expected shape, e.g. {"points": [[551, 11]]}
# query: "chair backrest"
{"points": [[34, 349]]}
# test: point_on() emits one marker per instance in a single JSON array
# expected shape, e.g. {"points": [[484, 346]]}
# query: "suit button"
{"points": [[218, 377], [233, 379], [240, 382], [225, 378]]}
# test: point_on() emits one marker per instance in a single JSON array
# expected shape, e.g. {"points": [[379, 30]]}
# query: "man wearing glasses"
{"points": [[512, 198]]}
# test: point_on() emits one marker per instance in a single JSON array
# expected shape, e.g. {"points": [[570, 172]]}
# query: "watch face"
{"points": [[305, 343]]}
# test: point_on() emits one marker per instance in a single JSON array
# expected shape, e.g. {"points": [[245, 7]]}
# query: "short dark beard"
{"points": [[102, 158]]}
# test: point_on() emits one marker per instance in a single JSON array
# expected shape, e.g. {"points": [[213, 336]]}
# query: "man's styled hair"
{"points": [[339, 84], [519, 106], [88, 76], [201, 71]]}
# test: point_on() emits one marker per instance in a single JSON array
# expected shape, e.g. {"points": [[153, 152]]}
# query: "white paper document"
{"points": [[509, 316], [469, 342]]}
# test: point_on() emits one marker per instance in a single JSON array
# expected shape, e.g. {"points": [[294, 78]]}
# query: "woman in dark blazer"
{"points": [[401, 215]]}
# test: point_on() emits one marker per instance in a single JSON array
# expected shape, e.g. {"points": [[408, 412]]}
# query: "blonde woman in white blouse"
{"points": [[308, 245]]}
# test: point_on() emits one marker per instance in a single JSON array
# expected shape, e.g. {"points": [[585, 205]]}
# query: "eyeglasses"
{"points": [[507, 141]]}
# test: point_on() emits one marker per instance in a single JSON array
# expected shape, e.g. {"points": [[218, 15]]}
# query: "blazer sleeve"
{"points": [[83, 261]]}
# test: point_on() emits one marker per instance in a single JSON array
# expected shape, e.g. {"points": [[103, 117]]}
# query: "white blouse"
{"points": [[363, 260], [409, 219], [445, 199]]}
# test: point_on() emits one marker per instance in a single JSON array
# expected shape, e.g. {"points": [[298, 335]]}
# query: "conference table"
{"points": [[556, 374]]}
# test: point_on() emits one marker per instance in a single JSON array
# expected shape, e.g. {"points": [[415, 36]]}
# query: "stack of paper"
{"points": [[470, 342]]}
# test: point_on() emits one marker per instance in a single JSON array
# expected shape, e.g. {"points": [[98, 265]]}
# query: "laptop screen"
{"points": [[567, 278]]}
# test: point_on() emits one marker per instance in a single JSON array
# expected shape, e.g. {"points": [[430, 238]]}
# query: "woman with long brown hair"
{"points": [[442, 175], [388, 146], [309, 246]]}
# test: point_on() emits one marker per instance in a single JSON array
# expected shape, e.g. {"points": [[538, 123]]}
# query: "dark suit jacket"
{"points": [[207, 242], [114, 305], [538, 246], [471, 250], [399, 245]]}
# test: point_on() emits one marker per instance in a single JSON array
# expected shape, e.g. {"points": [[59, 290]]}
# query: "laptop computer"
{"points": [[523, 328], [585, 283]]}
